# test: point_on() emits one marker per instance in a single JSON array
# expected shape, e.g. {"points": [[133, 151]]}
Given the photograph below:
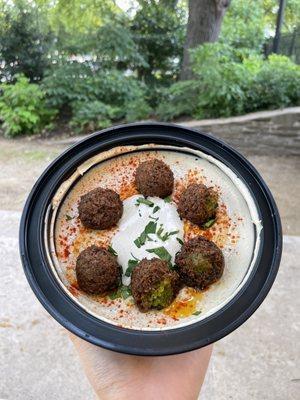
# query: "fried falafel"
{"points": [[97, 271], [100, 208], [154, 178], [198, 204], [200, 263], [153, 284]]}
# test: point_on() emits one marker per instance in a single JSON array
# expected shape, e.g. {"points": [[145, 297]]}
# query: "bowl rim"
{"points": [[130, 341]]}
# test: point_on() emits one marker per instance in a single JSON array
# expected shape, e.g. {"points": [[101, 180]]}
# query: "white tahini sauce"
{"points": [[136, 217]]}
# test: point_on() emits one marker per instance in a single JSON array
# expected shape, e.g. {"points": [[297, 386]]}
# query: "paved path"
{"points": [[260, 360], [275, 132]]}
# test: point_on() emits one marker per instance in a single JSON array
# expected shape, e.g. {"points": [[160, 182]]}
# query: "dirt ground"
{"points": [[22, 161]]}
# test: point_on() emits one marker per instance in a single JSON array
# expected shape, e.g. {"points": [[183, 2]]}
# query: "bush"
{"points": [[109, 93], [78, 82], [223, 75], [137, 110], [276, 85], [178, 100], [23, 108], [93, 115], [231, 81]]}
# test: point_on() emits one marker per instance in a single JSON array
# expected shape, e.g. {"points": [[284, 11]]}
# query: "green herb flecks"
{"points": [[164, 236], [209, 223], [150, 227], [131, 265], [197, 313], [162, 253], [68, 218], [114, 295], [180, 241], [112, 251], [144, 236], [167, 199], [125, 291], [155, 209], [141, 200], [154, 219], [134, 257], [171, 234], [122, 292]]}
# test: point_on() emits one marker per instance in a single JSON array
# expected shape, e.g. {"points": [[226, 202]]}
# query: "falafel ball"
{"points": [[97, 271], [200, 263], [198, 204], [154, 178], [100, 208], [153, 284]]}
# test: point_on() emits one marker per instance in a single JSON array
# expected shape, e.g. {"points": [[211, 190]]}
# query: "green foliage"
{"points": [[79, 82], [222, 77], [24, 40], [23, 108], [230, 81], [102, 96], [93, 115], [115, 45], [78, 17], [98, 65], [75, 22], [243, 25], [137, 110], [291, 15], [276, 85], [90, 116], [178, 100], [158, 29]]}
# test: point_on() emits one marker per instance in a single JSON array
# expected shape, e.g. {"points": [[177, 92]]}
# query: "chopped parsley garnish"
{"points": [[150, 227], [114, 295], [155, 219], [144, 236], [164, 236], [197, 313], [161, 253], [180, 241], [68, 217], [160, 231], [131, 265], [141, 200], [209, 223], [123, 291], [155, 209], [134, 257], [167, 199], [112, 251], [139, 241]]}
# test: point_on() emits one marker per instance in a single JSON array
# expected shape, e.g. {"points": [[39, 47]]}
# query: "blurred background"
{"points": [[70, 67]]}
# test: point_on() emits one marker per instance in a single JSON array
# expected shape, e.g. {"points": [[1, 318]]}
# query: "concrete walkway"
{"points": [[275, 132], [260, 360]]}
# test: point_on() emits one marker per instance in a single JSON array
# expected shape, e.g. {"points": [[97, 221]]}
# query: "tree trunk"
{"points": [[204, 25]]}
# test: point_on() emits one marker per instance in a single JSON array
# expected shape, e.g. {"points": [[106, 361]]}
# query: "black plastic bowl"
{"points": [[173, 341]]}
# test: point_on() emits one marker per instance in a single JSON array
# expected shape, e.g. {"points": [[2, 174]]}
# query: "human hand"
{"points": [[116, 376]]}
